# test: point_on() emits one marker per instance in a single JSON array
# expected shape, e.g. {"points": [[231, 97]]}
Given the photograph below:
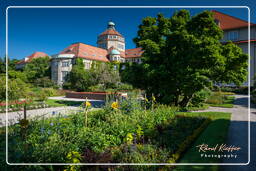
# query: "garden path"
{"points": [[13, 117], [238, 133]]}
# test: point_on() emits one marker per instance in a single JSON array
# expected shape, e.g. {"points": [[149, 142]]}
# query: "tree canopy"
{"points": [[38, 68], [183, 55], [80, 79]]}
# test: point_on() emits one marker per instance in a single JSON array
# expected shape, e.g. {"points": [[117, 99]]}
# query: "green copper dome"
{"points": [[114, 52]]}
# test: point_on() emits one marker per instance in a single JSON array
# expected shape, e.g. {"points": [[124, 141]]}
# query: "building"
{"points": [[110, 47], [236, 30]]}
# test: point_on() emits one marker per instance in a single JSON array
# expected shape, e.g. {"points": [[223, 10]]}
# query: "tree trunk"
{"points": [[185, 101]]}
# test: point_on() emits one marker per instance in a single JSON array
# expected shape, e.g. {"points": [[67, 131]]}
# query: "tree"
{"points": [[16, 89], [11, 64], [79, 79], [38, 68], [183, 55], [105, 74]]}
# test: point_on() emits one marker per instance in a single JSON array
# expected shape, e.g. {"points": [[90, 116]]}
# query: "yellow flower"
{"points": [[153, 98], [115, 105], [87, 104]]}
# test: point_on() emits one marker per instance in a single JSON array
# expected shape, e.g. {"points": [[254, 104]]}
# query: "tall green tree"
{"points": [[106, 74], [79, 79], [183, 55], [16, 89], [38, 68]]}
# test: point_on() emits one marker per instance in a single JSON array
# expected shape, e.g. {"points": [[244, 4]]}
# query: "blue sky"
{"points": [[51, 30]]}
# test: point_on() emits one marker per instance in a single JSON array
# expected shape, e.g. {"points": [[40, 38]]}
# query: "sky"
{"points": [[50, 30]]}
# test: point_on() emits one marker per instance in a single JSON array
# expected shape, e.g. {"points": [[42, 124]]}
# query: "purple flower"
{"points": [[53, 112], [51, 124]]}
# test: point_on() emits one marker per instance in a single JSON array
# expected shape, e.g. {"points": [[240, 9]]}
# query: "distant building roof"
{"points": [[111, 32], [32, 56], [86, 51], [133, 53], [229, 22]]}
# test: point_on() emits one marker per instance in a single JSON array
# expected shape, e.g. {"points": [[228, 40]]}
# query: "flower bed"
{"points": [[113, 134], [19, 105]]}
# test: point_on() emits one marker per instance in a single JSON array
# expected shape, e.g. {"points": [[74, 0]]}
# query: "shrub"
{"points": [[45, 82], [216, 98], [200, 97]]}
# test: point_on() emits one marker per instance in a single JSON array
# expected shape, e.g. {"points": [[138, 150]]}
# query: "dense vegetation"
{"points": [[182, 56], [100, 77], [125, 131]]}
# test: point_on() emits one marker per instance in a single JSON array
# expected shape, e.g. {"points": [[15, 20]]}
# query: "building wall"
{"points": [[116, 44], [242, 34], [59, 68]]}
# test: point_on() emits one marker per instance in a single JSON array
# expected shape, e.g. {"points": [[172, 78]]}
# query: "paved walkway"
{"points": [[238, 133], [13, 117]]}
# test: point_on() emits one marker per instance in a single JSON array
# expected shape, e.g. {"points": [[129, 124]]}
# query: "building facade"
{"points": [[110, 47]]}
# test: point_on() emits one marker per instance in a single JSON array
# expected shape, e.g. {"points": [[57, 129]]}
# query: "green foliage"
{"points": [[182, 56], [79, 79], [2, 65], [216, 98], [105, 74], [38, 68], [16, 89], [100, 77], [45, 82], [17, 74], [200, 97]]}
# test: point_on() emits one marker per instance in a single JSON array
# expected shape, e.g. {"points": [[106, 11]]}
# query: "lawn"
{"points": [[218, 99], [215, 133], [58, 103]]}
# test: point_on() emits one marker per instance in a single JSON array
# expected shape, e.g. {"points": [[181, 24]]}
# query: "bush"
{"points": [[16, 89], [45, 82], [200, 97], [216, 98]]}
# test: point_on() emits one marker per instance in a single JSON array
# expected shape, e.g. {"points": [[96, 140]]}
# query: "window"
{"points": [[120, 46], [87, 65], [233, 35], [64, 75], [65, 64]]}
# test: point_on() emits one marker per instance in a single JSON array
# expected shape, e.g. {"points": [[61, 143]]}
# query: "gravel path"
{"points": [[238, 134], [13, 117]]}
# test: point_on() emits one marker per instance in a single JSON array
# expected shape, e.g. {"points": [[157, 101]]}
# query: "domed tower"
{"points": [[111, 38]]}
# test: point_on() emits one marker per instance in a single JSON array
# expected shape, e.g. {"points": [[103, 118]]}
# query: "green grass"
{"points": [[58, 103], [193, 108], [215, 133], [220, 100]]}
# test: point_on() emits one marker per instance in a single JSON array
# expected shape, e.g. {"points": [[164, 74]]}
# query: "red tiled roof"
{"points": [[229, 22], [133, 53], [86, 51], [110, 32], [33, 56]]}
